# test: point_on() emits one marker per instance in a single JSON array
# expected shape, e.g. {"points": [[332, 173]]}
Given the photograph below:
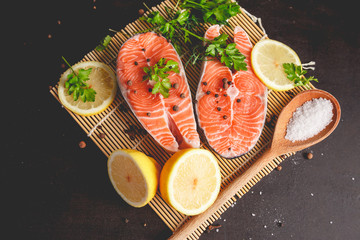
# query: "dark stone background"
{"points": [[52, 189]]}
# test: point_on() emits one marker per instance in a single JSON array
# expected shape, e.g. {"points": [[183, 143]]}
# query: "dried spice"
{"points": [[176, 85], [102, 135], [141, 11], [82, 144], [211, 227]]}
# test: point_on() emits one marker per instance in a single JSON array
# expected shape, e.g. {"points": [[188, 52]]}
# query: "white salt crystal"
{"points": [[253, 214], [309, 119], [217, 230]]}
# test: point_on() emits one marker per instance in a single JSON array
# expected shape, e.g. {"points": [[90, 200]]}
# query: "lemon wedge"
{"points": [[134, 176], [190, 181], [267, 58], [102, 79]]}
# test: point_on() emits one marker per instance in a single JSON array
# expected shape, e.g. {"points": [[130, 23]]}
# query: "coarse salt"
{"points": [[309, 119]]}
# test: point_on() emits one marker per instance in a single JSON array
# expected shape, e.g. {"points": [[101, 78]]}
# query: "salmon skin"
{"points": [[170, 121], [231, 115]]}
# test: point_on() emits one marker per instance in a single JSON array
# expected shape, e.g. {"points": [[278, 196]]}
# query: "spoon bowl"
{"points": [[282, 145]]}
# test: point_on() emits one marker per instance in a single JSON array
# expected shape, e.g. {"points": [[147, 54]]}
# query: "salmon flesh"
{"points": [[231, 115], [170, 121]]}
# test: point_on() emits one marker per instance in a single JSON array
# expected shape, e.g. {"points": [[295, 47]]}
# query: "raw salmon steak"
{"points": [[170, 121], [231, 115]]}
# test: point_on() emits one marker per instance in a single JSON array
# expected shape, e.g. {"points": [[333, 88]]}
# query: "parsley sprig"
{"points": [[296, 74], [169, 28], [214, 12], [76, 84], [159, 73], [227, 53], [182, 27]]}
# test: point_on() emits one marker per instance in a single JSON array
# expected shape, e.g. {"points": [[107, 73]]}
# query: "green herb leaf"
{"points": [[227, 53], [160, 73], [214, 12], [103, 43], [76, 84], [296, 74]]}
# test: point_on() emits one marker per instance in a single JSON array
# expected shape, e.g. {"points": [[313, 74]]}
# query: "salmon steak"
{"points": [[170, 121], [230, 105]]}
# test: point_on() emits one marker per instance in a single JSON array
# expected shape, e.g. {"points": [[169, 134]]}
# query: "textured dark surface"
{"points": [[52, 189]]}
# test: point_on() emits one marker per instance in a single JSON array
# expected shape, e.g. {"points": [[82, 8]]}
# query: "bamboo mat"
{"points": [[118, 121]]}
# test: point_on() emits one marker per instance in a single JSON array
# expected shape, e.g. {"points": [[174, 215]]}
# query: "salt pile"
{"points": [[309, 119]]}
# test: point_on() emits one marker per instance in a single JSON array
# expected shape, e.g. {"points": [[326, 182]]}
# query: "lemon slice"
{"points": [[102, 79], [267, 58], [134, 176], [190, 181]]}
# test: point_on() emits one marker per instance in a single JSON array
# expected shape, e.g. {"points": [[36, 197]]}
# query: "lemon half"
{"points": [[134, 176], [102, 79], [267, 58], [190, 181]]}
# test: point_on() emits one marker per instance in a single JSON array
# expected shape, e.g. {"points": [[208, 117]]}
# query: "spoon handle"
{"points": [[229, 191]]}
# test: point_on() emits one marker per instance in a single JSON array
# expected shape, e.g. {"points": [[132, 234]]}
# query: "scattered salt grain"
{"points": [[253, 214], [260, 192], [217, 230], [353, 178], [312, 194], [224, 220], [309, 119], [331, 222], [265, 226]]}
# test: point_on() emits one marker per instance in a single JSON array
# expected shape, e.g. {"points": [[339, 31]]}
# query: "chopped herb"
{"points": [[227, 53], [103, 43], [296, 74], [159, 74], [214, 12], [76, 84]]}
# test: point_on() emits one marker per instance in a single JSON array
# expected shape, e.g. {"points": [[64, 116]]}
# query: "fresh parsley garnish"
{"points": [[296, 74], [76, 84], [170, 28], [214, 12], [181, 27], [159, 73], [228, 54], [103, 43]]}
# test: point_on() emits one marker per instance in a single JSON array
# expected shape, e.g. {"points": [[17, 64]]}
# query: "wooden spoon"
{"points": [[279, 146]]}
